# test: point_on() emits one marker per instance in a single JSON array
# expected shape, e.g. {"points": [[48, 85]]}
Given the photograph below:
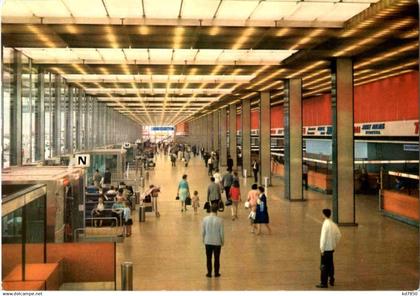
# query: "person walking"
{"points": [[330, 236], [210, 165], [261, 214], [252, 198], [183, 192], [235, 195], [213, 239], [255, 170], [305, 175], [213, 192], [229, 163], [187, 157], [97, 178], [227, 182]]}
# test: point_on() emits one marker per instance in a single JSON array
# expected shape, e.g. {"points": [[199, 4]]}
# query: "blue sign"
{"points": [[162, 128]]}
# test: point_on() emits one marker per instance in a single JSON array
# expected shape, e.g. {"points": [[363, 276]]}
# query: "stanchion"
{"points": [[127, 276], [266, 183]]}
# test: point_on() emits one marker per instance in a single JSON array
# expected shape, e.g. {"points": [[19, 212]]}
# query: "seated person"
{"points": [[91, 188], [399, 184], [98, 211], [120, 195], [111, 193]]}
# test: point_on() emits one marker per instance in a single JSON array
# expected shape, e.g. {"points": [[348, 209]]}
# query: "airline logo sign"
{"points": [[406, 128]]}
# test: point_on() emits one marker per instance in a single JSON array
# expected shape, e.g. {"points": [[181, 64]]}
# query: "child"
{"points": [[235, 195], [127, 219], [195, 201]]}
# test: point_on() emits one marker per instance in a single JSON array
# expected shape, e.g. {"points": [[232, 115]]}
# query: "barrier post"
{"points": [[127, 276]]}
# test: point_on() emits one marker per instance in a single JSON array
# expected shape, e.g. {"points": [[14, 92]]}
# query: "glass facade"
{"points": [[7, 78], [33, 132]]}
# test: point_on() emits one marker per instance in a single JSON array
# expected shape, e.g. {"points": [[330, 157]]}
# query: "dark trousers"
{"points": [[327, 267], [210, 249], [210, 169], [255, 176], [227, 192], [305, 180]]}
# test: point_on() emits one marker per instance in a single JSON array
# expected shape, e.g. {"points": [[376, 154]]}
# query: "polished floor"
{"points": [[168, 253]]}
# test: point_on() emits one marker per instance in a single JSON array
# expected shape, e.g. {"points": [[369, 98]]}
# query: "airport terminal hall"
{"points": [[210, 145]]}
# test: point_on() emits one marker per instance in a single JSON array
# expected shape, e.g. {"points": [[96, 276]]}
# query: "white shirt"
{"points": [[217, 178], [330, 235]]}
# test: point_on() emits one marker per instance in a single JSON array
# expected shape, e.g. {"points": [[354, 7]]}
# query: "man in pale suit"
{"points": [[213, 238]]}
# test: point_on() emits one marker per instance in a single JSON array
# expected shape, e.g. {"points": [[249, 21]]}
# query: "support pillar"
{"points": [[209, 131], [343, 142], [86, 122], [69, 122], [265, 140], [56, 140], [223, 136], [216, 131], [246, 136], [16, 112], [79, 120], [40, 119], [292, 107], [232, 135]]}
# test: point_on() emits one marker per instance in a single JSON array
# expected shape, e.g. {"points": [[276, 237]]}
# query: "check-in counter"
{"points": [[401, 205], [317, 180]]}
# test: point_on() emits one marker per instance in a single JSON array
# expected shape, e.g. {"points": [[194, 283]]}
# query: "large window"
{"points": [[7, 78]]}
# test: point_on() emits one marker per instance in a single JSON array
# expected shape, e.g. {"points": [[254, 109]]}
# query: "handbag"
{"points": [[188, 201], [177, 197], [207, 207], [221, 206], [252, 215], [247, 205]]}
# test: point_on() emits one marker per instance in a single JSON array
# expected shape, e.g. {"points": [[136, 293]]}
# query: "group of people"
{"points": [[256, 202], [122, 198]]}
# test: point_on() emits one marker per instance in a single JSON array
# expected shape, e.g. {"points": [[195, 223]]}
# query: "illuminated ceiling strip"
{"points": [[306, 69], [271, 86], [173, 91], [245, 36], [41, 36], [271, 76], [389, 54], [160, 99], [157, 78], [383, 77], [307, 39], [374, 37]]}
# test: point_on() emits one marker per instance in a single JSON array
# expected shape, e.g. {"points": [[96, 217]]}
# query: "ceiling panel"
{"points": [[236, 10], [199, 9], [48, 8], [273, 10], [83, 8], [310, 11], [15, 8], [343, 11], [162, 8], [130, 8]]}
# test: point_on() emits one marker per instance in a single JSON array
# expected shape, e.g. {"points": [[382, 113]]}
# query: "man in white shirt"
{"points": [[213, 238], [330, 236]]}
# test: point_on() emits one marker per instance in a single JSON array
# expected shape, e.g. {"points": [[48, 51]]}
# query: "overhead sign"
{"points": [[82, 160]]}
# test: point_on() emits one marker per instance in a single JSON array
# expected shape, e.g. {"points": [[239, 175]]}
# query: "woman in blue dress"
{"points": [[261, 215], [183, 192]]}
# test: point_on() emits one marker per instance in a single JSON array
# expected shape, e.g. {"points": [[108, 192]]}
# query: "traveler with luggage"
{"points": [[183, 192]]}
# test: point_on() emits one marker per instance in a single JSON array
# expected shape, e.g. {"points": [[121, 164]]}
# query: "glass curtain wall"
{"points": [[49, 106], [7, 89]]}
